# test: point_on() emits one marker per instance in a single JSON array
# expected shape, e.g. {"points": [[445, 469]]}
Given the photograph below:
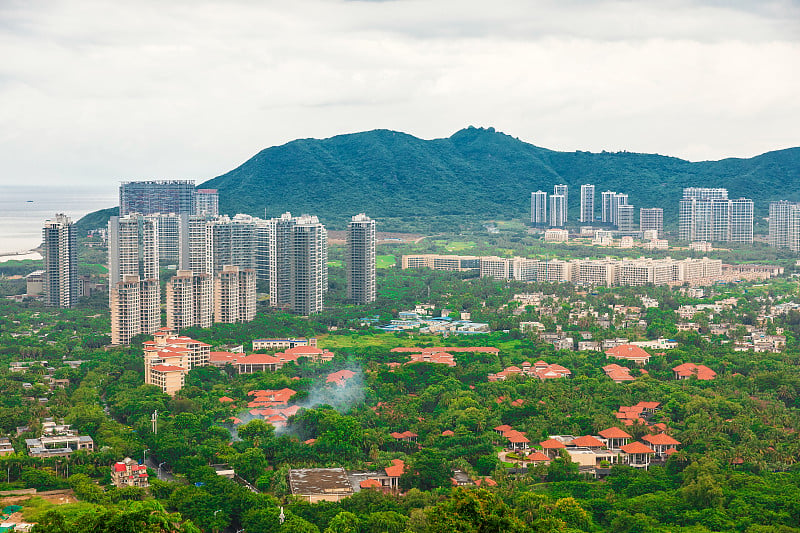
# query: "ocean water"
{"points": [[21, 221]]}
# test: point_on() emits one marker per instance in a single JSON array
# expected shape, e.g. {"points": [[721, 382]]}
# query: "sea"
{"points": [[24, 209]]}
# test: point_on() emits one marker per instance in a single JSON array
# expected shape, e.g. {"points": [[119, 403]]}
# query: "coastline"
{"points": [[19, 256]]}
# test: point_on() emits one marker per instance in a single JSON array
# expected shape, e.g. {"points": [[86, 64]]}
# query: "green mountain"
{"points": [[476, 174]]}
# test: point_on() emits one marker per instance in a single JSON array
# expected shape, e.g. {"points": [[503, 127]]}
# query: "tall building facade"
{"points": [[190, 300], [234, 295], [206, 202], [360, 259], [539, 208], [706, 214], [231, 242], [558, 211], [625, 218], [309, 265], [156, 196], [587, 203], [651, 218], [60, 255], [606, 197], [562, 190], [740, 216], [779, 213], [133, 275], [617, 200]]}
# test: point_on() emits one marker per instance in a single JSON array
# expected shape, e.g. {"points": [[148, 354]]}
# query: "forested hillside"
{"points": [[475, 174]]}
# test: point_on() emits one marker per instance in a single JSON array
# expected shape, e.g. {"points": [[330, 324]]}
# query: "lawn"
{"points": [[458, 246], [385, 261]]}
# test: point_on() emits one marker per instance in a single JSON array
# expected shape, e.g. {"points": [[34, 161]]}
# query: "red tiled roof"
{"points": [[587, 441], [339, 376], [447, 433], [551, 444], [167, 368], [310, 441], [258, 359], [119, 467], [614, 433], [661, 439], [701, 371], [503, 428], [218, 357], [404, 435], [488, 481], [649, 405], [235, 420], [397, 468], [537, 456], [370, 484], [628, 351], [636, 447], [225, 399]]}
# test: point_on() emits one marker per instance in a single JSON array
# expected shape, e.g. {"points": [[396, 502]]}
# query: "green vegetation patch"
{"points": [[458, 246], [385, 261]]}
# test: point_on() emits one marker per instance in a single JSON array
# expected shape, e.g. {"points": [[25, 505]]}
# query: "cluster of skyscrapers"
{"points": [[614, 210], [220, 260], [706, 214]]}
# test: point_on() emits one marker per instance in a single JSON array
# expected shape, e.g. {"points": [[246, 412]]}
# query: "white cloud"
{"points": [[95, 91]]}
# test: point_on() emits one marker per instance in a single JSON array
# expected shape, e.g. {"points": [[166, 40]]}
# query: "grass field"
{"points": [[458, 246], [385, 261]]}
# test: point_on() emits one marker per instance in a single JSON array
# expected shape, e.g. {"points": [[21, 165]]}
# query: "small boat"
{"points": [[30, 201]]}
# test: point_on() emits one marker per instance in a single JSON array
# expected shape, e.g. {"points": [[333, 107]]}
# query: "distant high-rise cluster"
{"points": [[614, 210], [706, 214], [220, 260], [60, 255], [784, 225]]}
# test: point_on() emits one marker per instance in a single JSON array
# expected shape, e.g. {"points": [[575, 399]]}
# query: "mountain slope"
{"points": [[475, 174]]}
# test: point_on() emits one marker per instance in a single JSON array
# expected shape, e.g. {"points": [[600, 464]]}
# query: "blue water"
{"points": [[21, 221]]}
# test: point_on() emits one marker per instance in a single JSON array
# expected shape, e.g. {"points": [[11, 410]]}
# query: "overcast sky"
{"points": [[92, 92]]}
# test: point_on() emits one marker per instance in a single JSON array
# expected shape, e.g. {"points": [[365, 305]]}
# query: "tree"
{"points": [[344, 522], [257, 432], [428, 469], [478, 511]]}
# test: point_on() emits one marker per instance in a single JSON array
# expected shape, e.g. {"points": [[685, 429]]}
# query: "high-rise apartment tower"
{"points": [[539, 208], [60, 254], [587, 203], [360, 259]]}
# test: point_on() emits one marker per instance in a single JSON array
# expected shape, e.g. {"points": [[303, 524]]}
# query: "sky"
{"points": [[93, 92]]}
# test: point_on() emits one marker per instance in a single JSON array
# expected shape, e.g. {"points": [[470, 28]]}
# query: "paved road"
{"points": [[165, 476]]}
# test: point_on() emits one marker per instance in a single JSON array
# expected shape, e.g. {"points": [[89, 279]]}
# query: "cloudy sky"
{"points": [[96, 91]]}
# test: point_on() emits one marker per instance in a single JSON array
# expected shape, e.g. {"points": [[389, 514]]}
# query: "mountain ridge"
{"points": [[408, 183], [393, 175]]}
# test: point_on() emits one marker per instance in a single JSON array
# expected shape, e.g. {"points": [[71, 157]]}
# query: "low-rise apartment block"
{"points": [[168, 357]]}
